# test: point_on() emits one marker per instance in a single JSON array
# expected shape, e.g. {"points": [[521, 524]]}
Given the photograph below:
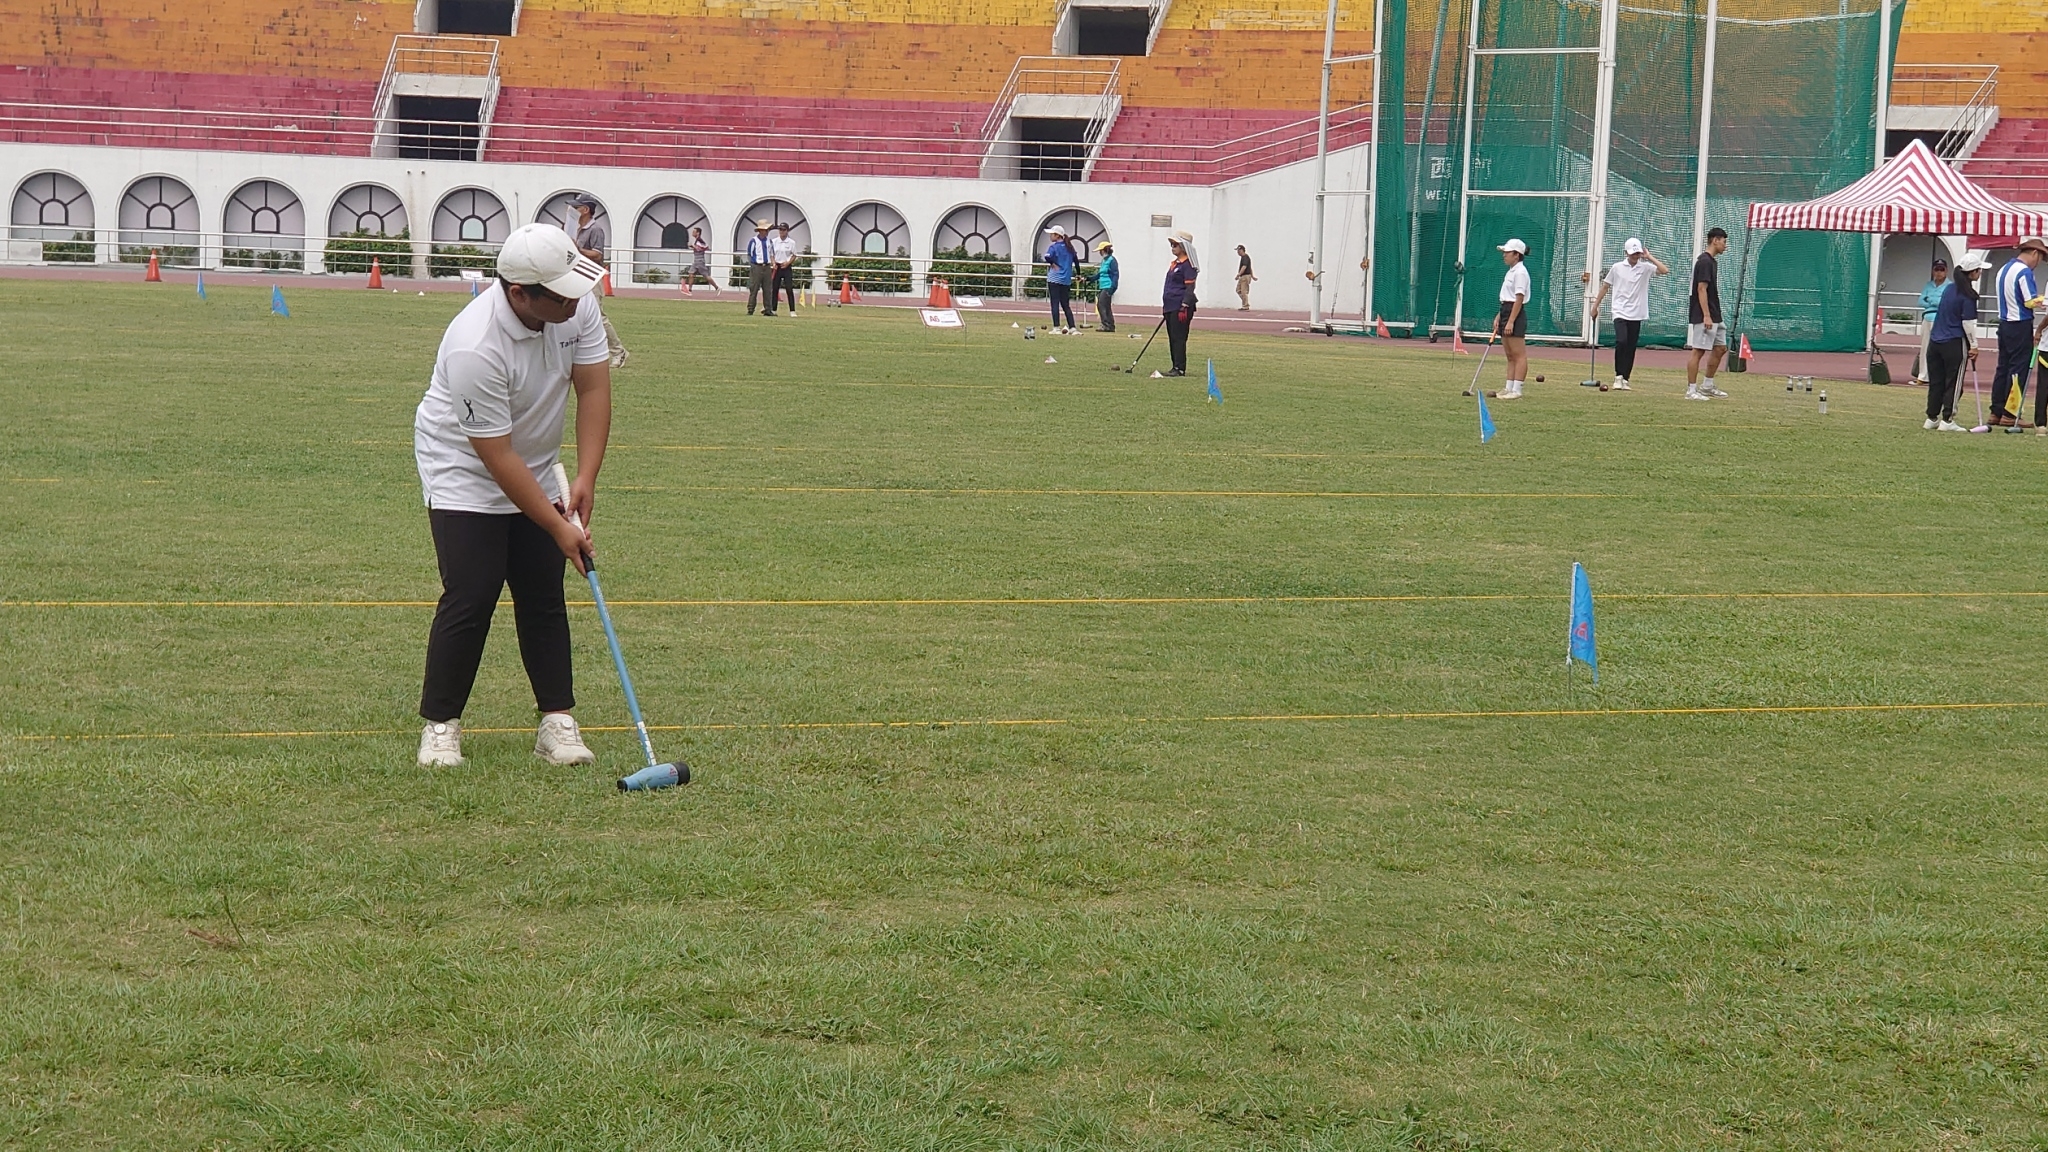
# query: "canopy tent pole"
{"points": [[1699, 194], [1884, 84], [1736, 361]]}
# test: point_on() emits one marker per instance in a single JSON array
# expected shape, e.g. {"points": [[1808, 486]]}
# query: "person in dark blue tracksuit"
{"points": [[1178, 299], [1059, 278]]}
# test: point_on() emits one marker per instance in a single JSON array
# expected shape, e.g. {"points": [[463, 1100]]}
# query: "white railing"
{"points": [[463, 57], [1064, 36], [1970, 89]]}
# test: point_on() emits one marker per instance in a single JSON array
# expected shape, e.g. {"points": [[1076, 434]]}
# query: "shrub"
{"points": [[651, 276], [78, 250], [982, 275], [871, 273], [274, 259], [1084, 282], [353, 251], [453, 259], [173, 254]]}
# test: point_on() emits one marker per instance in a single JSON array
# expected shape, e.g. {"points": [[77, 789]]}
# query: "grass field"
{"points": [[1293, 838]]}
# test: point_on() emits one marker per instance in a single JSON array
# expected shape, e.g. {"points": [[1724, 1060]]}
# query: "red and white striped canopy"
{"points": [[1913, 192]]}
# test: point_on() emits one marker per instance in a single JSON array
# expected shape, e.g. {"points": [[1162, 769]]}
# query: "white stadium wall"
{"points": [[1268, 213]]}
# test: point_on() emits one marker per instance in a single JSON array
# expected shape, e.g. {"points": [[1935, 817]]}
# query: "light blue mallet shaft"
{"points": [[654, 775]]}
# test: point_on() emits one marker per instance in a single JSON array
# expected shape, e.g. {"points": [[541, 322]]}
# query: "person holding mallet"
{"points": [[486, 438], [1629, 278], [1512, 324]]}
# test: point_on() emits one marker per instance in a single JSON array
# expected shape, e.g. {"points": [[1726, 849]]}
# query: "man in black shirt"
{"points": [[1244, 279], [1705, 334]]}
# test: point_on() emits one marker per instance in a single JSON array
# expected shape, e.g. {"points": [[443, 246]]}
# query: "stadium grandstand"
{"points": [[900, 135]]}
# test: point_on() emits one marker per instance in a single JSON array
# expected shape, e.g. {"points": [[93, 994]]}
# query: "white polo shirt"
{"points": [[1515, 283], [494, 376], [1631, 285], [783, 248]]}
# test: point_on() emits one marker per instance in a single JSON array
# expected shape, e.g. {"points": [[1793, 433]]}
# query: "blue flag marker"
{"points": [[277, 305], [1215, 393], [1485, 419], [1581, 646], [475, 287], [200, 282]]}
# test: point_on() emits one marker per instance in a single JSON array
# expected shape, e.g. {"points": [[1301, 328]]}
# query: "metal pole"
{"points": [[1699, 194], [1884, 85], [1436, 52], [1315, 255], [1372, 164], [1465, 177], [1603, 129]]}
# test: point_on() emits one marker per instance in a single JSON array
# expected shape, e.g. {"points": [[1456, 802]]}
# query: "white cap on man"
{"points": [[1515, 246], [1634, 247], [543, 254]]}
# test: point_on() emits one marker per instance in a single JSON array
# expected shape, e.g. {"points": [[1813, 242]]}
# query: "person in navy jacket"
{"points": [[1178, 299]]}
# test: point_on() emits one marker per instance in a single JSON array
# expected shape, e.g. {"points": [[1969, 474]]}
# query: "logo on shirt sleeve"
{"points": [[469, 412]]}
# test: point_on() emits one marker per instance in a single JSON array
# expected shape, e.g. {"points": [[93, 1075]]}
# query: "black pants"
{"points": [[2015, 353], [1105, 308], [1062, 297], [1945, 360], [785, 282], [1626, 334], [2041, 391], [760, 283], [1177, 325], [479, 553]]}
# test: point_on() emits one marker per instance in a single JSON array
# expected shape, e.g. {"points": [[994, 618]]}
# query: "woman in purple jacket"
{"points": [[1179, 299]]}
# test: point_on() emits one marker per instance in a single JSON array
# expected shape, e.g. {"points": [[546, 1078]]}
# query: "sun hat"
{"points": [[543, 254], [1634, 247], [762, 225], [1515, 246], [1102, 245], [2034, 242]]}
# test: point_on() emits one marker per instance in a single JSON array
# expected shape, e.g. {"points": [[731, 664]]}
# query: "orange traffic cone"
{"points": [[845, 290], [1380, 328], [376, 274], [608, 284], [942, 295], [153, 276]]}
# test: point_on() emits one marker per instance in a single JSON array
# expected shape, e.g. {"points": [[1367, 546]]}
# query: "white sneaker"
{"points": [[1621, 384], [1931, 424], [1509, 394], [559, 741], [1712, 393], [1951, 426], [1696, 394], [441, 745]]}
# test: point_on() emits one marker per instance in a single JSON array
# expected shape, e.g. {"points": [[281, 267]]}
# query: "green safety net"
{"points": [[1794, 118]]}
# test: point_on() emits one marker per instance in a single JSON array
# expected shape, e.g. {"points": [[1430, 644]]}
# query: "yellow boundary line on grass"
{"points": [[1277, 718], [1205, 493], [1049, 601]]}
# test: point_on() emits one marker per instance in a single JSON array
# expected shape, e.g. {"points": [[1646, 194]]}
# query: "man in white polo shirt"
{"points": [[485, 437], [1630, 280]]}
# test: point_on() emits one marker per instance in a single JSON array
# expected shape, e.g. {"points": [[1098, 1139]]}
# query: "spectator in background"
{"points": [[1059, 278], [2019, 293], [1951, 341], [785, 267], [1930, 306], [1512, 324], [760, 269], [700, 260], [1106, 274], [1705, 335], [1244, 279], [594, 240], [1630, 280]]}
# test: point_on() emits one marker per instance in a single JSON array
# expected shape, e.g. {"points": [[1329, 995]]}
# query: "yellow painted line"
{"points": [[33, 480], [1054, 722], [1050, 601]]}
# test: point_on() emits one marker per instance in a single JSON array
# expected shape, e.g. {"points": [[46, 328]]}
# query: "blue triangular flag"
{"points": [[1581, 646], [1485, 419], [476, 287], [200, 282], [277, 305], [1215, 393]]}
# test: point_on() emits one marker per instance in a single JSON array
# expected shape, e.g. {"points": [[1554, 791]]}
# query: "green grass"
{"points": [[1140, 929]]}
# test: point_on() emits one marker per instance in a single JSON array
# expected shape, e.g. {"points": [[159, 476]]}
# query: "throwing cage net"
{"points": [[1794, 116]]}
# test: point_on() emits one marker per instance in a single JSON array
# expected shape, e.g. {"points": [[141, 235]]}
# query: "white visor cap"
{"points": [[543, 254]]}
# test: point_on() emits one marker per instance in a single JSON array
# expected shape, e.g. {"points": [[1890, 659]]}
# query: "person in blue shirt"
{"points": [[1930, 303], [1059, 279], [1178, 300], [2018, 294], [1950, 343], [1106, 273]]}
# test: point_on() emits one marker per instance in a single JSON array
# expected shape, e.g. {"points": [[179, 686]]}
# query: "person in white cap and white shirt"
{"points": [[486, 437], [1630, 280], [1512, 325], [594, 240]]}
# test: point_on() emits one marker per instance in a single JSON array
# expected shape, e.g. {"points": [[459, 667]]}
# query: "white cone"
{"points": [[1050, 360]]}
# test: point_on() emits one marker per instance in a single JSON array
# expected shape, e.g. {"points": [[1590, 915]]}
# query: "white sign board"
{"points": [[941, 318], [967, 301], [472, 274]]}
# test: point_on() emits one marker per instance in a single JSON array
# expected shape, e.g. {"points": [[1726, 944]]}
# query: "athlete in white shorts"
{"points": [[1705, 334]]}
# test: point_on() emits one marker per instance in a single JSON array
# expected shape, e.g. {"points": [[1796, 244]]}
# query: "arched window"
{"points": [[972, 231], [51, 206], [871, 229], [471, 216], [368, 208]]}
